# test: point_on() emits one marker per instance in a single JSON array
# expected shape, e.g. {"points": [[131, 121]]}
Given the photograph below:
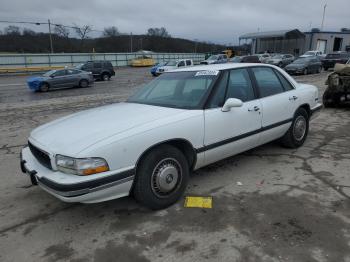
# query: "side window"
{"points": [[267, 81], [87, 66], [60, 73], [240, 86], [97, 65], [181, 63], [188, 62], [286, 85], [218, 98], [72, 72]]}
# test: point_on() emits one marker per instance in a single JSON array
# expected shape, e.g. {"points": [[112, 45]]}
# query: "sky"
{"points": [[220, 21]]}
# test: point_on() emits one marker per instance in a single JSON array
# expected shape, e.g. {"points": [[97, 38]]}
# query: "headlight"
{"points": [[81, 166]]}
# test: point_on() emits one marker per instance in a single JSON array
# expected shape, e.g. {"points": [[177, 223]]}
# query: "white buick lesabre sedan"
{"points": [[179, 122]]}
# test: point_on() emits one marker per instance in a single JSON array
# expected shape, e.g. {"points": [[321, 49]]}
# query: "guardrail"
{"points": [[12, 63]]}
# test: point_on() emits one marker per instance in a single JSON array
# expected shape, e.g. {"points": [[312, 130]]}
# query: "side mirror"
{"points": [[231, 102]]}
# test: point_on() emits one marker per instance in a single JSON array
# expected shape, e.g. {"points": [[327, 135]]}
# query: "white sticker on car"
{"points": [[207, 73]]}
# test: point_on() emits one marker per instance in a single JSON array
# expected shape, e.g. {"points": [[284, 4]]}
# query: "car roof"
{"points": [[219, 67]]}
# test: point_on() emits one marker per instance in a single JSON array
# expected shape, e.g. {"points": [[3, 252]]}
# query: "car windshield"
{"points": [[172, 63], [162, 64], [236, 59], [277, 57], [49, 73], [213, 57], [177, 89]]}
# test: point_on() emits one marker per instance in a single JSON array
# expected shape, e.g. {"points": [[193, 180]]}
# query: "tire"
{"points": [[105, 77], [44, 87], [325, 68], [305, 71], [83, 83], [161, 178], [297, 133], [319, 70]]}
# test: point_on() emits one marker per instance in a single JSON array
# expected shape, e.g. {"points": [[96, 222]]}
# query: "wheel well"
{"points": [[105, 73], [307, 109], [183, 145]]}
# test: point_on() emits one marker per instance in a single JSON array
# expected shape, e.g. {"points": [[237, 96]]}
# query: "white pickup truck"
{"points": [[174, 65]]}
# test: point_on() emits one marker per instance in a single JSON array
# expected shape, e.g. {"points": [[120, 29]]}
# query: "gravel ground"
{"points": [[293, 205]]}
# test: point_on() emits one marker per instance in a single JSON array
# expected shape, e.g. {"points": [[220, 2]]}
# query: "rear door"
{"points": [[235, 131], [279, 102]]}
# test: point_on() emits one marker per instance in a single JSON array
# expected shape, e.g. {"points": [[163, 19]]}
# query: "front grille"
{"points": [[41, 156]]}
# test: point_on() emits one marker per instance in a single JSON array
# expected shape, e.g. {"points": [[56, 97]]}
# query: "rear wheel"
{"points": [[106, 77], [44, 87], [161, 178], [319, 69], [305, 71], [297, 133], [83, 83]]}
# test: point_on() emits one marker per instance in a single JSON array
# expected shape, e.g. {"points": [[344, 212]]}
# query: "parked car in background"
{"points": [[281, 60], [264, 57], [102, 70], [142, 61], [173, 65], [313, 53], [64, 78], [156, 66], [335, 58], [304, 65], [148, 145], [215, 59], [250, 59], [235, 59]]}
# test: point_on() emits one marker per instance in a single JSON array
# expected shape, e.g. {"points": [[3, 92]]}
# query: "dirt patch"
{"points": [[58, 252], [112, 253]]}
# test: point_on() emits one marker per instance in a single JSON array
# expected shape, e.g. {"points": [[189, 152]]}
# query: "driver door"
{"points": [[235, 131]]}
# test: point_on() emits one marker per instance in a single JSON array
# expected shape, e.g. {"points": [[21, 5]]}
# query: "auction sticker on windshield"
{"points": [[207, 73]]}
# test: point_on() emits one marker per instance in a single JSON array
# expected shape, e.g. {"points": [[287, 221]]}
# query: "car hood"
{"points": [[72, 134], [274, 60], [36, 78], [290, 66], [165, 68]]}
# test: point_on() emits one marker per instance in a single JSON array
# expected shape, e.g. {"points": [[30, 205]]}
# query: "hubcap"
{"points": [[299, 128], [105, 77], [166, 177]]}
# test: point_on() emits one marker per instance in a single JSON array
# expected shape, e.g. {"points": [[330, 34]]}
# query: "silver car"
{"points": [[64, 78]]}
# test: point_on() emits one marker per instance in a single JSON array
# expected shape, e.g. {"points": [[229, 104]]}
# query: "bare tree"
{"points": [[29, 32], [110, 31], [83, 33], [12, 30], [62, 31], [162, 32]]}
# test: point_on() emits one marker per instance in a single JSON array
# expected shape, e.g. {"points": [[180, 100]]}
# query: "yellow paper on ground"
{"points": [[201, 202]]}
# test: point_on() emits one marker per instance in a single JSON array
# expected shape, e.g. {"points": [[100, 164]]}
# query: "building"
{"points": [[296, 42]]}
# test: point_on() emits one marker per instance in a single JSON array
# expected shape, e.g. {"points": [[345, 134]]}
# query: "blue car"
{"points": [[64, 78], [155, 67]]}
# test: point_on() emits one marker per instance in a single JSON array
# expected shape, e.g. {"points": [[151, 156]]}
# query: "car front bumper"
{"points": [[73, 188]]}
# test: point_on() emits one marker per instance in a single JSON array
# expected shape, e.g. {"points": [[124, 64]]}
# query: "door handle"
{"points": [[255, 108], [293, 98]]}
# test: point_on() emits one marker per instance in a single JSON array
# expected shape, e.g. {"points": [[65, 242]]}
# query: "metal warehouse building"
{"points": [[297, 42]]}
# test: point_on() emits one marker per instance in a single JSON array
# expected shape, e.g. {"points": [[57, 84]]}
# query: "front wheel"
{"points": [[297, 133], [161, 177], [44, 87]]}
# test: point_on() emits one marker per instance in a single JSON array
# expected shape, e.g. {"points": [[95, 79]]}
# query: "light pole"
{"points": [[51, 46], [131, 42], [324, 13]]}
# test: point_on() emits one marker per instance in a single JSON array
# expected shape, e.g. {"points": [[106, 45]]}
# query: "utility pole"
{"points": [[131, 42], [51, 46], [324, 13]]}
